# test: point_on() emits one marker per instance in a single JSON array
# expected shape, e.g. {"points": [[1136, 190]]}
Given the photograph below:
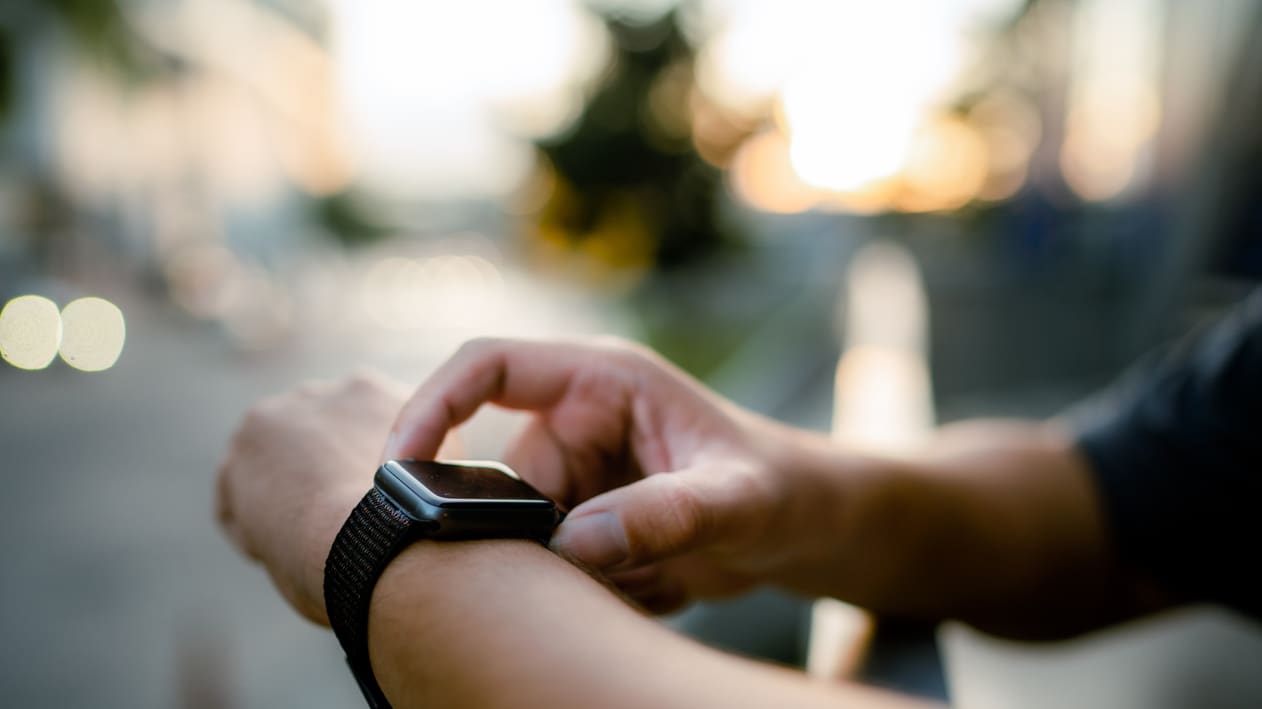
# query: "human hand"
{"points": [[294, 471], [676, 494]]}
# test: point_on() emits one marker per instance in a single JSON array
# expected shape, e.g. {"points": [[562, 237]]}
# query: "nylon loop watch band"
{"points": [[371, 537]]}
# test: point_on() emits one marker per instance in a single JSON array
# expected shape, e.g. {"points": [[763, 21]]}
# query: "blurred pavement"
{"points": [[117, 589]]}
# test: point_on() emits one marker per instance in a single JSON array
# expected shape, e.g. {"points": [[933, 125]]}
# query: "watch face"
{"points": [[455, 483]]}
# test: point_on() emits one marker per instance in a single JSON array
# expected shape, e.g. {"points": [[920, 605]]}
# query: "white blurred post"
{"points": [[882, 403]]}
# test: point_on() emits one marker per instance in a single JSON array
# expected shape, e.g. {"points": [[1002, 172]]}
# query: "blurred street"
{"points": [[118, 590]]}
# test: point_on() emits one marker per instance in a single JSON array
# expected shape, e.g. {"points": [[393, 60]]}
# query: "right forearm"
{"points": [[998, 525]]}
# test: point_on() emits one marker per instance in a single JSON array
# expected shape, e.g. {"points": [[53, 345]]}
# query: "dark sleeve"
{"points": [[1176, 449]]}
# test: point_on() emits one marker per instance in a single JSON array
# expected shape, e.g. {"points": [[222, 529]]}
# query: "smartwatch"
{"points": [[418, 499]]}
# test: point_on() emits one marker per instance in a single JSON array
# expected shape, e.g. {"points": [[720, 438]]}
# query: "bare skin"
{"points": [[676, 495]]}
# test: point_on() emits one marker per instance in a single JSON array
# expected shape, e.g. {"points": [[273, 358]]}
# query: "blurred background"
{"points": [[868, 217]]}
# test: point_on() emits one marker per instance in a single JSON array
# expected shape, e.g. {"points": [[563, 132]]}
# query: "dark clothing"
{"points": [[1177, 453]]}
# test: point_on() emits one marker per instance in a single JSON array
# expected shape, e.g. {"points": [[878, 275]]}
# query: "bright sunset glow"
{"points": [[856, 87]]}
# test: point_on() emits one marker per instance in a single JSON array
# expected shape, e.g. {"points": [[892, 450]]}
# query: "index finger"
{"points": [[516, 374]]}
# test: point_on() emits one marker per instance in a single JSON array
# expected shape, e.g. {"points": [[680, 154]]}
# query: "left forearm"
{"points": [[507, 624]]}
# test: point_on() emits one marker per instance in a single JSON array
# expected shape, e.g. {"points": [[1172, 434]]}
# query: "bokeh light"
{"points": [[93, 334], [1106, 131], [450, 291], [1010, 126], [1112, 111], [763, 176], [861, 92], [199, 276], [30, 332], [743, 66], [423, 127], [945, 168]]}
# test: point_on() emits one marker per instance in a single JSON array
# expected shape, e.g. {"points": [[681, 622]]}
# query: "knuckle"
{"points": [[610, 341], [272, 405], [635, 355], [683, 517], [755, 498], [309, 389], [257, 416], [478, 347], [260, 418], [619, 345], [625, 354], [364, 381]]}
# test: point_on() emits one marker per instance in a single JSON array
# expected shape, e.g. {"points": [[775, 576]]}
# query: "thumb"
{"points": [[660, 516]]}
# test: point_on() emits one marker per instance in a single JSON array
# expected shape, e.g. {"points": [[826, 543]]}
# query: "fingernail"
{"points": [[597, 540], [390, 441]]}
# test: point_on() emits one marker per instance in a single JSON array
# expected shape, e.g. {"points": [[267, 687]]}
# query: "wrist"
{"points": [[319, 525], [451, 595], [830, 497]]}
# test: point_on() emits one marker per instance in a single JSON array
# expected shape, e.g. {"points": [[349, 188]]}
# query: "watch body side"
{"points": [[452, 519]]}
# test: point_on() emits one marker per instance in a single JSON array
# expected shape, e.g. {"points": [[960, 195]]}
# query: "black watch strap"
{"points": [[372, 536]]}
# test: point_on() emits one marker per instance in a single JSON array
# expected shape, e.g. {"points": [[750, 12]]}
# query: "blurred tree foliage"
{"points": [[349, 218], [98, 28], [630, 189], [97, 25]]}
